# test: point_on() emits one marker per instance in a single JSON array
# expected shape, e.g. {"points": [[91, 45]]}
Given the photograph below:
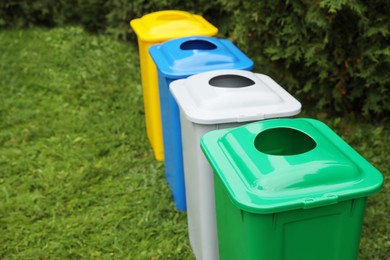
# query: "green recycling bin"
{"points": [[288, 189]]}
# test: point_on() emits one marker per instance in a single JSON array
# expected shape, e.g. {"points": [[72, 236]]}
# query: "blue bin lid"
{"points": [[284, 164], [183, 57]]}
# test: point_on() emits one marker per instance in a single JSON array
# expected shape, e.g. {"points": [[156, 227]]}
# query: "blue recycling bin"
{"points": [[178, 59]]}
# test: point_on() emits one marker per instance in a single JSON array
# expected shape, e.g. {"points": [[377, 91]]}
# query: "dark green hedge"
{"points": [[334, 53]]}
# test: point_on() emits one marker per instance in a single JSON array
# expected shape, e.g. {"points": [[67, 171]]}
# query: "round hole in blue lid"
{"points": [[284, 141], [198, 45], [231, 81]]}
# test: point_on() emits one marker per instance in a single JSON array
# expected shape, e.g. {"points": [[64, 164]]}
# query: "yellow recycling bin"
{"points": [[155, 28]]}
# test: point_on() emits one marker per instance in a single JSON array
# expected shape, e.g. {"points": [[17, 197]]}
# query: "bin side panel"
{"points": [[199, 192], [151, 99], [229, 225], [325, 233], [199, 182], [173, 158]]}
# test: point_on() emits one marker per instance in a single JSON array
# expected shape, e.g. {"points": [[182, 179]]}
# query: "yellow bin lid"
{"points": [[164, 25]]}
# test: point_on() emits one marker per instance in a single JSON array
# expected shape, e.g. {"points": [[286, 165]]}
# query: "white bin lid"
{"points": [[225, 96]]}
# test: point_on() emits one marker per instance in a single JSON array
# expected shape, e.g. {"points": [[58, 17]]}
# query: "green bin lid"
{"points": [[284, 164]]}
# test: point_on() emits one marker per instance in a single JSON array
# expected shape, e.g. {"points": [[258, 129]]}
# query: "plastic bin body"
{"points": [[155, 28], [288, 189], [178, 59], [215, 100], [201, 212]]}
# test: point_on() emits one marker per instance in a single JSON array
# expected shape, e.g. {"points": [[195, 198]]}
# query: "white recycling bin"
{"points": [[215, 100]]}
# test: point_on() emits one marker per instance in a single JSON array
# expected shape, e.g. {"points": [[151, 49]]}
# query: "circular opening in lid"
{"points": [[198, 45], [284, 141], [231, 81]]}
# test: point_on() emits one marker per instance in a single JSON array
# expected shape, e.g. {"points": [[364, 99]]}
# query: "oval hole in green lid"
{"points": [[283, 141]]}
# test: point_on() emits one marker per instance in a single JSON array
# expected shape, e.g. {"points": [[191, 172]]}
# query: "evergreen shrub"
{"points": [[334, 53]]}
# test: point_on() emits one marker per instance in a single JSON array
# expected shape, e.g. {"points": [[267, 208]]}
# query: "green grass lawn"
{"points": [[77, 175]]}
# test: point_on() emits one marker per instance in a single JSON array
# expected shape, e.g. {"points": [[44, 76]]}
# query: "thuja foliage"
{"points": [[334, 53]]}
